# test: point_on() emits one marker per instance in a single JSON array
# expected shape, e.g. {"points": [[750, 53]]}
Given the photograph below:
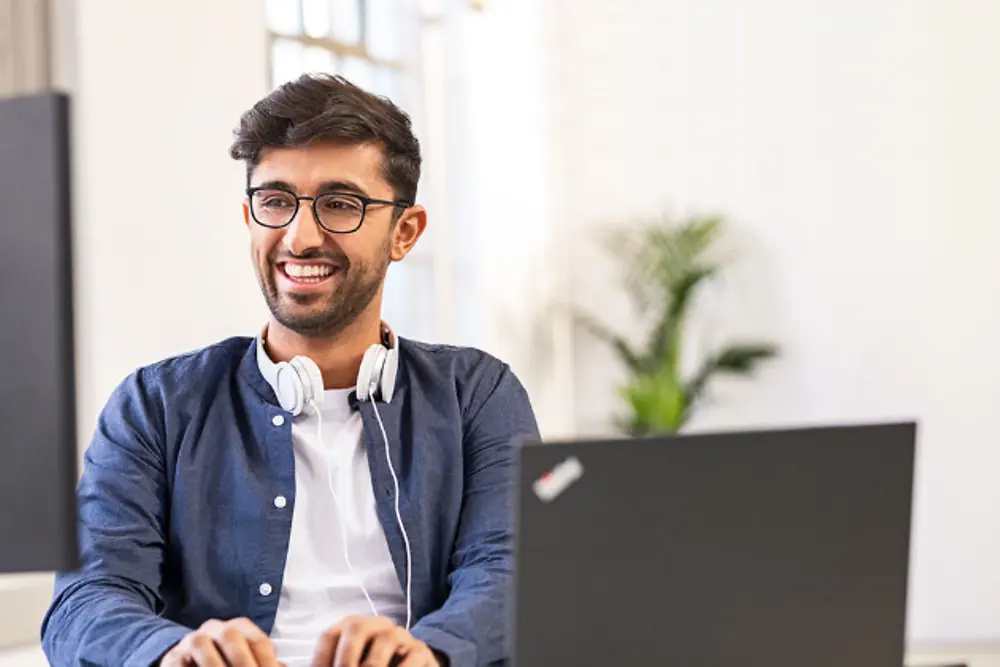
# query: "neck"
{"points": [[338, 357]]}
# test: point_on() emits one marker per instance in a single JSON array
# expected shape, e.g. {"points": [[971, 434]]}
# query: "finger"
{"points": [[202, 650], [259, 643], [325, 647], [422, 657], [355, 639], [173, 658], [385, 646], [233, 645]]}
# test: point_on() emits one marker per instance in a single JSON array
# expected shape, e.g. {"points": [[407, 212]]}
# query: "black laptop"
{"points": [[756, 549]]}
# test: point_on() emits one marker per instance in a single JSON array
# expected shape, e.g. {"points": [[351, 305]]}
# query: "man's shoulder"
{"points": [[455, 361], [177, 382], [468, 374], [198, 366]]}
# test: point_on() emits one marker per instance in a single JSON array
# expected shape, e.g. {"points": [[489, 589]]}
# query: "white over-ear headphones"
{"points": [[299, 381], [377, 374]]}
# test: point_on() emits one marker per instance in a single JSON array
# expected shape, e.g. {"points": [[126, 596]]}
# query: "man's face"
{"points": [[316, 282]]}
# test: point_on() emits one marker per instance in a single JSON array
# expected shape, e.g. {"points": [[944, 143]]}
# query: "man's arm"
{"points": [[471, 628], [106, 614]]}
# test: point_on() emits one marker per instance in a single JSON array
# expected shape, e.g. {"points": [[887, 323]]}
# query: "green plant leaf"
{"points": [[662, 264], [621, 347], [679, 295], [698, 235], [682, 291], [681, 249], [656, 403], [737, 359], [743, 358]]}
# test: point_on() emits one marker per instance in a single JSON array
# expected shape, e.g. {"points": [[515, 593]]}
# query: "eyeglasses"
{"points": [[336, 212]]}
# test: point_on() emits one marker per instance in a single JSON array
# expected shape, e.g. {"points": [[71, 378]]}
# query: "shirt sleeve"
{"points": [[107, 612], [471, 628]]}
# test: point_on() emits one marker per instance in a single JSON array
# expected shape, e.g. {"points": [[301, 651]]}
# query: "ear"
{"points": [[407, 231], [246, 213]]}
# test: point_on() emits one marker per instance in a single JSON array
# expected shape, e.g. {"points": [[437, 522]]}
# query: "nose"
{"points": [[304, 232]]}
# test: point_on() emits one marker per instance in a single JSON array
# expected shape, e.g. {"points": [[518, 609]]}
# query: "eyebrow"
{"points": [[341, 186], [274, 185], [324, 188]]}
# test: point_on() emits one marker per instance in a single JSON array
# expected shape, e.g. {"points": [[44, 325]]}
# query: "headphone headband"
{"points": [[298, 382]]}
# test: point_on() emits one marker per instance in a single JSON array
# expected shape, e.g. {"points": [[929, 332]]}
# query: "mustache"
{"points": [[337, 259]]}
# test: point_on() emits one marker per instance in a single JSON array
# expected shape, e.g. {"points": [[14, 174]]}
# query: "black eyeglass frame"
{"points": [[365, 202]]}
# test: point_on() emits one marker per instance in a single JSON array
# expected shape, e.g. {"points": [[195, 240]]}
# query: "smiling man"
{"points": [[323, 493]]}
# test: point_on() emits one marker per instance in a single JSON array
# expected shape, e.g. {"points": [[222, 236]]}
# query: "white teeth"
{"points": [[308, 271]]}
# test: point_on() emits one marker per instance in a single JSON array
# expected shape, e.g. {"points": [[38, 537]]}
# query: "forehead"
{"points": [[306, 168]]}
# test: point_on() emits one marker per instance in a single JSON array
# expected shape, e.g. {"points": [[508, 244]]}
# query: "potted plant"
{"points": [[663, 266]]}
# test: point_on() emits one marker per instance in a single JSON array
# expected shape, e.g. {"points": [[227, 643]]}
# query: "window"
{"points": [[375, 44], [364, 40]]}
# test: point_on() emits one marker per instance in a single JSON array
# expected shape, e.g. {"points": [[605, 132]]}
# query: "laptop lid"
{"points": [[759, 549]]}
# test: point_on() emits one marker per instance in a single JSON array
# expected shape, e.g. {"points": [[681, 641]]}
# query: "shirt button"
{"points": [[265, 589], [278, 420], [280, 502]]}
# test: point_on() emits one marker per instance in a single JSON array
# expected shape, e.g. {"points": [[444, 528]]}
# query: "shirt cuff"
{"points": [[459, 652], [149, 652]]}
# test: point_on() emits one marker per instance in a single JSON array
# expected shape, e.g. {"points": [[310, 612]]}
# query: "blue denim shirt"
{"points": [[179, 525]]}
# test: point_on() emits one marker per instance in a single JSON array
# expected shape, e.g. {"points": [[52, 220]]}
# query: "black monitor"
{"points": [[38, 453]]}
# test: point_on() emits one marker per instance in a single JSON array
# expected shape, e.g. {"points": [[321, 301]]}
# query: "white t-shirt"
{"points": [[319, 588]]}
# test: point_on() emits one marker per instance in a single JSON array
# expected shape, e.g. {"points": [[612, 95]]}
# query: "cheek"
{"points": [[361, 249], [263, 241]]}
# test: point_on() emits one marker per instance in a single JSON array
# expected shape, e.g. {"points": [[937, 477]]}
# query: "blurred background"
{"points": [[852, 149]]}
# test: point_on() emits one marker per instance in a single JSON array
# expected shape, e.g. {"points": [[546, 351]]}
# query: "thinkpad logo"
{"points": [[553, 483]]}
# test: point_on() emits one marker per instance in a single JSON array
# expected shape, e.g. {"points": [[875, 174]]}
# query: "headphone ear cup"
{"points": [[291, 393], [311, 378], [387, 383], [369, 372]]}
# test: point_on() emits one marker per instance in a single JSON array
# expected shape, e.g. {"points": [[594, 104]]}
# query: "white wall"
{"points": [[162, 263], [517, 254], [162, 256], [855, 147]]}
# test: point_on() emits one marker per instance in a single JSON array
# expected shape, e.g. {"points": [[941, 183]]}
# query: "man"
{"points": [[240, 510]]}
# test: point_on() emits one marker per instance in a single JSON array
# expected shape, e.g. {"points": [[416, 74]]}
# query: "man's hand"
{"points": [[235, 643], [365, 641]]}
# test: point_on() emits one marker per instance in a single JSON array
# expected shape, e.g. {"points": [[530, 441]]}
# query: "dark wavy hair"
{"points": [[323, 107]]}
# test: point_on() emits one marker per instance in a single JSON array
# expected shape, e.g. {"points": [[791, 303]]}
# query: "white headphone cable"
{"points": [[343, 527], [399, 519]]}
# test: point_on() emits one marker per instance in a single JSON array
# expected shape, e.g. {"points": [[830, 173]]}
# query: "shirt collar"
{"points": [[268, 369]]}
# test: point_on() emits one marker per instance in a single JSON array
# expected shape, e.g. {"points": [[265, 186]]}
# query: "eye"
{"points": [[275, 202], [273, 199], [342, 204]]}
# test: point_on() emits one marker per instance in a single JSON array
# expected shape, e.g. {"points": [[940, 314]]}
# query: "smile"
{"points": [[306, 274]]}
